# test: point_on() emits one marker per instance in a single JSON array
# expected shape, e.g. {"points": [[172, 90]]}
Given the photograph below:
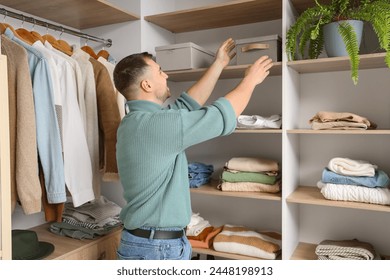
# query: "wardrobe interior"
{"points": [[301, 156]]}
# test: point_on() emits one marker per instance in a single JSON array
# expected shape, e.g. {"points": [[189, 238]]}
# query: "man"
{"points": [[151, 147]]}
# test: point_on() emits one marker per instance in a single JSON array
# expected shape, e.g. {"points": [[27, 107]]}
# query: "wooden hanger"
{"points": [[65, 46], [103, 53], [37, 36], [4, 26], [55, 44], [26, 35], [90, 51]]}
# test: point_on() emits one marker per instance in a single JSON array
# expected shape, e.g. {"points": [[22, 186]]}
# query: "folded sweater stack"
{"points": [[345, 250], [355, 180], [250, 174], [200, 232], [241, 240], [340, 120]]}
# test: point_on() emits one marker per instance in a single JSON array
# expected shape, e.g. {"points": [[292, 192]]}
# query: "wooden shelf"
{"points": [[219, 15], [211, 189], [313, 196], [79, 14], [258, 131], [341, 132], [305, 251], [329, 64], [302, 5], [230, 72], [222, 254]]}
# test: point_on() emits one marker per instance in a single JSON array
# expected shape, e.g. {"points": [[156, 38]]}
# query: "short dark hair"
{"points": [[128, 70]]}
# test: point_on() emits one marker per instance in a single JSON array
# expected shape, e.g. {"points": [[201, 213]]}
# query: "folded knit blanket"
{"points": [[249, 187], [351, 167], [381, 179], [242, 176], [338, 125], [251, 164], [244, 241], [328, 116], [345, 250], [355, 193]]}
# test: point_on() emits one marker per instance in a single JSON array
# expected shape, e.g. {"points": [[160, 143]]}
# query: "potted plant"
{"points": [[306, 35]]}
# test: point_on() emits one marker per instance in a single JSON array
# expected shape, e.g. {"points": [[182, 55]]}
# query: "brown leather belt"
{"points": [[158, 234]]}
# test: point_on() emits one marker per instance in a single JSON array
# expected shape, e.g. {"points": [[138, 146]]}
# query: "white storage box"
{"points": [[183, 56], [251, 49]]}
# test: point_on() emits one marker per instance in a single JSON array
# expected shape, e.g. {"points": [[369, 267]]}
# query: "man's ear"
{"points": [[145, 86]]}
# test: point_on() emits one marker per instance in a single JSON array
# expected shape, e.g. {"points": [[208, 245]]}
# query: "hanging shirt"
{"points": [[77, 162], [92, 125], [48, 133]]}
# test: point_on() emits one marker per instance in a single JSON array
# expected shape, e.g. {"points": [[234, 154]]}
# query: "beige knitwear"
{"points": [[25, 184], [340, 120]]}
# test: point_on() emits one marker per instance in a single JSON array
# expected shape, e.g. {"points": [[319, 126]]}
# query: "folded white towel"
{"points": [[351, 167]]}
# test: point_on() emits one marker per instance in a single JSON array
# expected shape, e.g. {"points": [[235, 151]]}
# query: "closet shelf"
{"points": [[259, 131], [211, 189], [342, 132], [79, 14], [222, 254], [302, 5], [230, 72], [313, 196], [329, 64], [305, 251], [219, 15]]}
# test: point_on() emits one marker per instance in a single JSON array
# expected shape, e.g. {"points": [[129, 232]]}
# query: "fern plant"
{"points": [[305, 38]]}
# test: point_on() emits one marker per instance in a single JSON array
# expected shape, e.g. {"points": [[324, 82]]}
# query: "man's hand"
{"points": [[226, 52], [259, 70]]}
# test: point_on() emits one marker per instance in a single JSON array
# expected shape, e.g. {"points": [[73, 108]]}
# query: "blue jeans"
{"points": [[132, 247]]}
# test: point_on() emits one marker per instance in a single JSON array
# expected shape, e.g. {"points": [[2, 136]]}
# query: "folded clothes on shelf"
{"points": [[340, 120], [345, 250], [199, 173], [351, 167], [244, 241], [256, 121]]}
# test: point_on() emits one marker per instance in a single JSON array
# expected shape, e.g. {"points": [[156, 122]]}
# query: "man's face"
{"points": [[158, 80]]}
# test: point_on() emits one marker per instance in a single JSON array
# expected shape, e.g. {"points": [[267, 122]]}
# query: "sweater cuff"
{"points": [[228, 114]]}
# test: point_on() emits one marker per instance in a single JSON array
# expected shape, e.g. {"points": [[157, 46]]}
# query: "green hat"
{"points": [[25, 246]]}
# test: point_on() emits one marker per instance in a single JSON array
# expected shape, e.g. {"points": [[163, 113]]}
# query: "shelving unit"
{"points": [[340, 132], [79, 14], [230, 72], [220, 15], [222, 255], [259, 131]]}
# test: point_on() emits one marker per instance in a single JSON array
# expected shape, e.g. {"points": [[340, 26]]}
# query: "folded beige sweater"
{"points": [[251, 164], [244, 241], [249, 187], [340, 119], [345, 250]]}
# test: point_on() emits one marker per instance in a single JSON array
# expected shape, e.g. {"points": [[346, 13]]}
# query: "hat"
{"points": [[26, 246]]}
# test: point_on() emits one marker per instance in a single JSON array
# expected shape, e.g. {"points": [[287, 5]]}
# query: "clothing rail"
{"points": [[34, 21]]}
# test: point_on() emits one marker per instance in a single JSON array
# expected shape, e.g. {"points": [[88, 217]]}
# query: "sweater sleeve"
{"points": [[217, 119]]}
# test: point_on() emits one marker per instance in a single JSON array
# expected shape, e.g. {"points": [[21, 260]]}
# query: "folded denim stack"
{"points": [[250, 174], [199, 174], [355, 180]]}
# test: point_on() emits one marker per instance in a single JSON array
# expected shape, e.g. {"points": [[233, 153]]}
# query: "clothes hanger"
{"points": [[64, 45], [35, 35], [55, 44], [25, 34], [89, 50], [103, 53]]}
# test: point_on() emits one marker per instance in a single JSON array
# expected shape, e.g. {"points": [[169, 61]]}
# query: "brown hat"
{"points": [[25, 246]]}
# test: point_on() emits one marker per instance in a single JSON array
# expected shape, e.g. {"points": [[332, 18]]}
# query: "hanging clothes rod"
{"points": [[34, 21]]}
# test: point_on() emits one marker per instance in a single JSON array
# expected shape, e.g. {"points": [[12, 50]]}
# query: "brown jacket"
{"points": [[109, 120]]}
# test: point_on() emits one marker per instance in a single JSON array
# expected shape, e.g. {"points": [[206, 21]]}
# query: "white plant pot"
{"points": [[334, 44]]}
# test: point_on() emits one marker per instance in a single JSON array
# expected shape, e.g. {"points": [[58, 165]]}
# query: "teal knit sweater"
{"points": [[151, 158]]}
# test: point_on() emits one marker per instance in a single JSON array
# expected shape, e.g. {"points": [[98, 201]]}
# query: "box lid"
{"points": [[182, 46], [258, 39]]}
